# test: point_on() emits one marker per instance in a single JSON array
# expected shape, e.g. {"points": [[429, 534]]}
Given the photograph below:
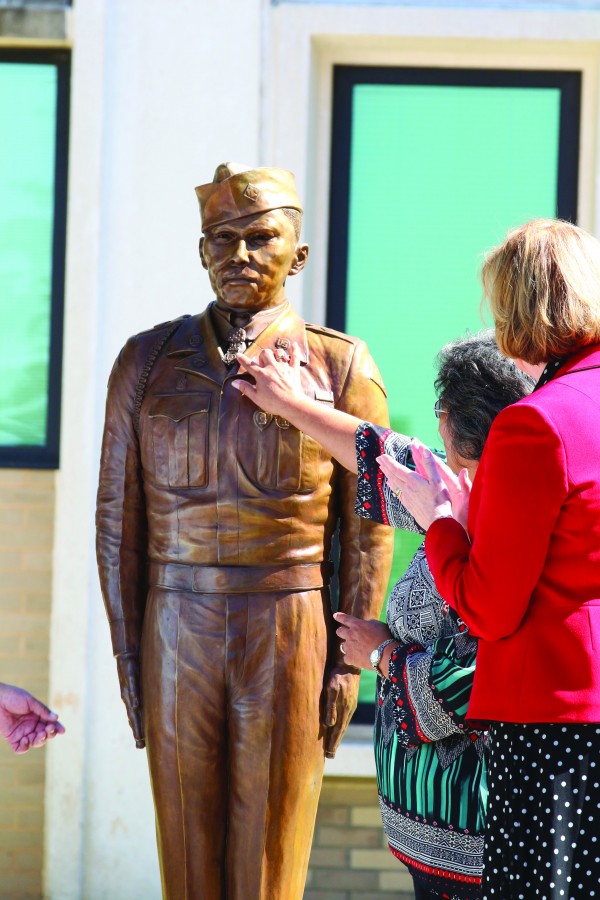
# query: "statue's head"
{"points": [[251, 221]]}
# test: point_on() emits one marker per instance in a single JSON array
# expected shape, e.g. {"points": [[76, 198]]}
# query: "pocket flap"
{"points": [[324, 396], [179, 406]]}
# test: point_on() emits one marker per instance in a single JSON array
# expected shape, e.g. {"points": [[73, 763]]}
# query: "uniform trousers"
{"points": [[231, 688]]}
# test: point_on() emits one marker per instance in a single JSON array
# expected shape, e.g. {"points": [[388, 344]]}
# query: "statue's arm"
{"points": [[365, 549], [121, 532]]}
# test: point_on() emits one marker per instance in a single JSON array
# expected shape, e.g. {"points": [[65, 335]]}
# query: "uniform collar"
{"points": [[288, 328], [256, 324], [195, 348]]}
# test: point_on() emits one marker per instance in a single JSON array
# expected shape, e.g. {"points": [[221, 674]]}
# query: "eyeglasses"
{"points": [[437, 408]]}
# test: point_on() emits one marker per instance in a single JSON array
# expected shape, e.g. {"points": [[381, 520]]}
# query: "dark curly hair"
{"points": [[474, 382]]}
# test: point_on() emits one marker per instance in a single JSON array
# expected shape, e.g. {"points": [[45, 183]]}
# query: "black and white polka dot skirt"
{"points": [[543, 819]]}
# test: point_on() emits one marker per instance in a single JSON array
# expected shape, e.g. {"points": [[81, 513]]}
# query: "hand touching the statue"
{"points": [[128, 668], [278, 390], [24, 721], [277, 387]]}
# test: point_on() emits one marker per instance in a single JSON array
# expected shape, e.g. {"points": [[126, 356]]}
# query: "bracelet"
{"points": [[375, 656]]}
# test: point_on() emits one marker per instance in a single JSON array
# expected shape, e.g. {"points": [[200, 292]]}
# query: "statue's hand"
{"points": [[340, 696], [128, 667]]}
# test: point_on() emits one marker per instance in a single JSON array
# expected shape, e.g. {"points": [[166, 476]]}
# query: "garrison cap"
{"points": [[237, 191]]}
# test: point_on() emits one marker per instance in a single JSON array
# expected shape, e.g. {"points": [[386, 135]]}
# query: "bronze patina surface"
{"points": [[214, 528]]}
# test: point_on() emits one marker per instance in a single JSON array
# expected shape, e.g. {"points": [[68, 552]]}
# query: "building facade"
{"points": [[159, 94]]}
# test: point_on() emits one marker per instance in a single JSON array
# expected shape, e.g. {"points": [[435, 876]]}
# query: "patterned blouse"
{"points": [[430, 764]]}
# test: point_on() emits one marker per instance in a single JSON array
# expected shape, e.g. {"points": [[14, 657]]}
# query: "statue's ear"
{"points": [[299, 260], [201, 252]]}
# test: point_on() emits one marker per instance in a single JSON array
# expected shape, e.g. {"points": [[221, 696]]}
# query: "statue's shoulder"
{"points": [[170, 324], [139, 355], [344, 350], [330, 333], [139, 347], [144, 341]]}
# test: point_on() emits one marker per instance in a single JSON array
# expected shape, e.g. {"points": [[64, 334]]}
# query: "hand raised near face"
{"points": [[425, 495], [458, 486], [277, 387]]}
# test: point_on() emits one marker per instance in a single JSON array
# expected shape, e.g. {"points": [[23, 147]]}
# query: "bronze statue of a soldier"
{"points": [[215, 522]]}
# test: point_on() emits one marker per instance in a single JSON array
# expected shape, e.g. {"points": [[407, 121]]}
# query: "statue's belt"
{"points": [[239, 579]]}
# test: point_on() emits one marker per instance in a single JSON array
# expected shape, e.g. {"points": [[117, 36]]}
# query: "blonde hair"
{"points": [[543, 287]]}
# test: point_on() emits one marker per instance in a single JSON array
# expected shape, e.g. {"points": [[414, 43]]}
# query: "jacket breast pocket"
{"points": [[286, 459], [179, 432]]}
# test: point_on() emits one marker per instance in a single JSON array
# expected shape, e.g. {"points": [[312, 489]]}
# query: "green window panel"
{"points": [[33, 158], [429, 169]]}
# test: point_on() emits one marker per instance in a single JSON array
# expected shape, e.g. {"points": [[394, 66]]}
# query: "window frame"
{"points": [[46, 456], [346, 77]]}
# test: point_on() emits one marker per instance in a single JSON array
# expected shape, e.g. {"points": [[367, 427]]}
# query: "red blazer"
{"points": [[529, 583]]}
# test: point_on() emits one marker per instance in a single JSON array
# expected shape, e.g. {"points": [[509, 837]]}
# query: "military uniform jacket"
{"points": [[193, 473]]}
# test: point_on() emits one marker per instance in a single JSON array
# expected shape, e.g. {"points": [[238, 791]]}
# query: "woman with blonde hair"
{"points": [[523, 569]]}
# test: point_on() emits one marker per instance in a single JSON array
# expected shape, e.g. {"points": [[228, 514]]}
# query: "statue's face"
{"points": [[249, 259]]}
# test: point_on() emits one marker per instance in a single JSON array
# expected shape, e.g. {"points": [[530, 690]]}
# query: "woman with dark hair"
{"points": [[526, 576], [429, 761]]}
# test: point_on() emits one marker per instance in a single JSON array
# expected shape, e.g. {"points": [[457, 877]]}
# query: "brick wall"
{"points": [[349, 858], [26, 524]]}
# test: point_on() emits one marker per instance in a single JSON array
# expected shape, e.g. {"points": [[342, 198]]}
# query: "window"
{"points": [[33, 172], [429, 168]]}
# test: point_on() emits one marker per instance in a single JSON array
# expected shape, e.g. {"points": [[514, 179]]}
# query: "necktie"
{"points": [[237, 337], [236, 343]]}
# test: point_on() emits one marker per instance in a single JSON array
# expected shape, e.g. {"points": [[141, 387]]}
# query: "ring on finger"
{"points": [[342, 648]]}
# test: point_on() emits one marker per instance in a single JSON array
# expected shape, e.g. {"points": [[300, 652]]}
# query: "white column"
{"points": [[161, 93]]}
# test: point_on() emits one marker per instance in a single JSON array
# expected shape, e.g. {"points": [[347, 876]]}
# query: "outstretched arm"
{"points": [[277, 389], [365, 547], [24, 721]]}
